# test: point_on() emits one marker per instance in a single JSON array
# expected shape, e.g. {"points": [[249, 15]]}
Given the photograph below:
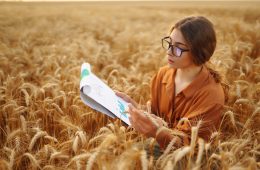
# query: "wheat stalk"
{"points": [[57, 107], [10, 105], [169, 146], [48, 167], [181, 153], [108, 140], [17, 143], [20, 110], [26, 96], [58, 155], [35, 138], [200, 153], [51, 138], [23, 123], [242, 101], [91, 160], [32, 159], [13, 134], [238, 90], [11, 159], [169, 165], [257, 111], [82, 137], [78, 158], [144, 161], [75, 144], [78, 165], [65, 101], [232, 117]]}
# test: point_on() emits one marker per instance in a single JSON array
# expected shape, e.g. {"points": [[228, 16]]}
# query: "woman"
{"points": [[186, 90]]}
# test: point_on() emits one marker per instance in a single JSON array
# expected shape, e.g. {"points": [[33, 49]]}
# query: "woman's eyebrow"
{"points": [[177, 43], [180, 43]]}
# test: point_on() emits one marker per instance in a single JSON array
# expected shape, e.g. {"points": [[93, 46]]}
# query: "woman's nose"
{"points": [[169, 51]]}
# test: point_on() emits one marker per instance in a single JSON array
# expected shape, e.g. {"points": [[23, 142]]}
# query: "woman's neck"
{"points": [[188, 74]]}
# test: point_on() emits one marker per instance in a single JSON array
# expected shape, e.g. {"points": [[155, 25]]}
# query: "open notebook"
{"points": [[99, 96]]}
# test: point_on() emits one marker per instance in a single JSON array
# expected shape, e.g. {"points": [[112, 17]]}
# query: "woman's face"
{"points": [[185, 60]]}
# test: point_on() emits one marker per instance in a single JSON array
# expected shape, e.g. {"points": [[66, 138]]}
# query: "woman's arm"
{"points": [[153, 126], [209, 116]]}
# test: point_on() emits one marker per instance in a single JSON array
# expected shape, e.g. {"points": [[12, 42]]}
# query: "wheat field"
{"points": [[45, 125]]}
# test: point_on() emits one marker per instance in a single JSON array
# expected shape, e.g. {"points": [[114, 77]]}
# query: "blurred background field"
{"points": [[44, 124]]}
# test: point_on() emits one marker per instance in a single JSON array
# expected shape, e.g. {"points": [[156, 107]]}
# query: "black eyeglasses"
{"points": [[177, 51]]}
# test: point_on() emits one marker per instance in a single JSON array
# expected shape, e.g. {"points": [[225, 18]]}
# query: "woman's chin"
{"points": [[171, 65]]}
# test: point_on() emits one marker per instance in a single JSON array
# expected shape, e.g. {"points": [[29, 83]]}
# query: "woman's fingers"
{"points": [[134, 124], [136, 114], [120, 94], [126, 98], [132, 112], [123, 96], [159, 120], [131, 121]]}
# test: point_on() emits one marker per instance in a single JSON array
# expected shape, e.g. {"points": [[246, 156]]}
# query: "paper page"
{"points": [[102, 94], [94, 105]]}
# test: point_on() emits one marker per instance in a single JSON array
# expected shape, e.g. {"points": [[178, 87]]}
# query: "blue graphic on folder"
{"points": [[121, 108]]}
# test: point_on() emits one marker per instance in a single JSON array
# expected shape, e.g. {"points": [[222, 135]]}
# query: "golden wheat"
{"points": [[45, 125]]}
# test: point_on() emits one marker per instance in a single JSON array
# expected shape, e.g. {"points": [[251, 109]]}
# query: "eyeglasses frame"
{"points": [[173, 46]]}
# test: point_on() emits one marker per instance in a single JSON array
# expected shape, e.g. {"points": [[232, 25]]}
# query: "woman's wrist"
{"points": [[159, 130]]}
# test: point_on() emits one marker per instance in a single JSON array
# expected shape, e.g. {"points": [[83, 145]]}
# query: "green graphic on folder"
{"points": [[84, 73]]}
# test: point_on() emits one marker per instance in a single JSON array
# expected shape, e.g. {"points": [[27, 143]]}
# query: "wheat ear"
{"points": [[23, 123], [35, 138], [32, 159], [91, 160], [181, 153], [75, 144], [11, 160]]}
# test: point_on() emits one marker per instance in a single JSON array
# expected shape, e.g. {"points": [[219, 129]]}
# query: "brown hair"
{"points": [[200, 35]]}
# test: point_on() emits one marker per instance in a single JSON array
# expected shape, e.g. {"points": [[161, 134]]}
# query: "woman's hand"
{"points": [[143, 123], [126, 98]]}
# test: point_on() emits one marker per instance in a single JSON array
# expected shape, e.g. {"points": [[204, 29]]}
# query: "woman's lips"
{"points": [[170, 61]]}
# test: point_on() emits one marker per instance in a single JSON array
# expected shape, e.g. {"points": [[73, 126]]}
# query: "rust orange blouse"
{"points": [[203, 99]]}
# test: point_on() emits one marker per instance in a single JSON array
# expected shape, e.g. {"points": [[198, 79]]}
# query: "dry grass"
{"points": [[44, 124]]}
